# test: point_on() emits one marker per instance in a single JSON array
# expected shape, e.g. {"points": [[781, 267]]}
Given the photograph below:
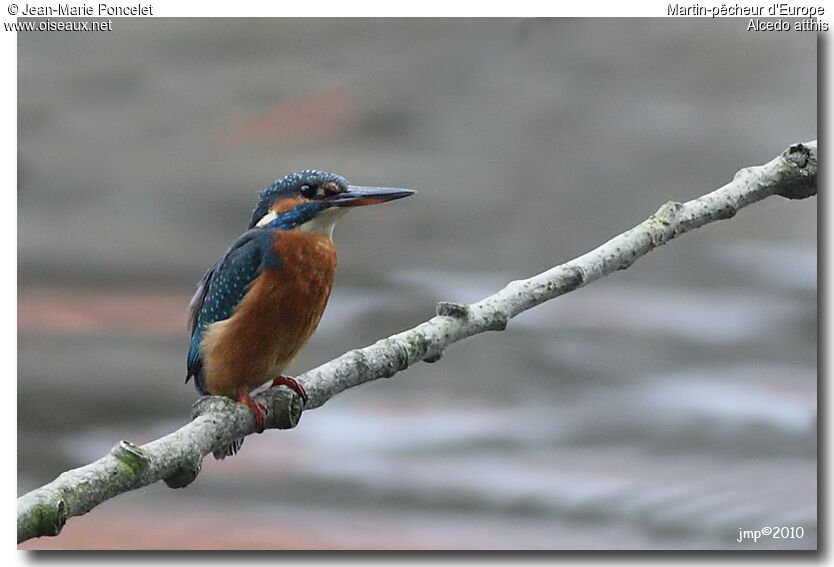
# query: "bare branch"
{"points": [[177, 457]]}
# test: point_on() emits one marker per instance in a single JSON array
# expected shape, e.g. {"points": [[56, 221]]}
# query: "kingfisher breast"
{"points": [[299, 288], [275, 318]]}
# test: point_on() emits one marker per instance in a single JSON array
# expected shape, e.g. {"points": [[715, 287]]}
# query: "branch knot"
{"points": [[802, 181], [136, 459], [453, 309]]}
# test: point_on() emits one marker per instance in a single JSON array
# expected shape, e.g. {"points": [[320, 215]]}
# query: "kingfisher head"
{"points": [[314, 200]]}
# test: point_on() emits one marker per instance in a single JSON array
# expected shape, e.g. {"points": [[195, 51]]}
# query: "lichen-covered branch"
{"points": [[793, 174], [177, 457]]}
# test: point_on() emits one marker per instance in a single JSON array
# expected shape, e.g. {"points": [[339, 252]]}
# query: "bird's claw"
{"points": [[257, 408], [292, 384]]}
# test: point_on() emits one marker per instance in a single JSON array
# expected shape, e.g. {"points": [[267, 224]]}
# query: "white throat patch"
{"points": [[324, 222]]}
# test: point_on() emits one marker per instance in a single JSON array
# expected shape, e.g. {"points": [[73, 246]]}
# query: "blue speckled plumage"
{"points": [[222, 288]]}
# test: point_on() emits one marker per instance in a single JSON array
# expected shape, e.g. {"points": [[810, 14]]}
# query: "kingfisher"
{"points": [[255, 309]]}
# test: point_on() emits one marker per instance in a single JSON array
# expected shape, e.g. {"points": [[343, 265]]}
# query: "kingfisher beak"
{"points": [[357, 196]]}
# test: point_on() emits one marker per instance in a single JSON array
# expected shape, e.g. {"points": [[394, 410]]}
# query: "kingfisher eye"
{"points": [[309, 191]]}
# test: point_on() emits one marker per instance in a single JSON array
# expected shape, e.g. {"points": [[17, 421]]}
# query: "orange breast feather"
{"points": [[275, 318]]}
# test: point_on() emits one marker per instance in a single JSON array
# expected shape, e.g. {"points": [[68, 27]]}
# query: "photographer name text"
{"points": [[89, 10]]}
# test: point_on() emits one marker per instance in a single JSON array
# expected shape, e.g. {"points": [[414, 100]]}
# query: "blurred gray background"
{"points": [[667, 406]]}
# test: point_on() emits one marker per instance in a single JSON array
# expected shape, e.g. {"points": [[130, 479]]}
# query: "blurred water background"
{"points": [[666, 406]]}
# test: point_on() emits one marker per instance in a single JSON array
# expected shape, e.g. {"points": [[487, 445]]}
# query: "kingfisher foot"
{"points": [[292, 384], [257, 408]]}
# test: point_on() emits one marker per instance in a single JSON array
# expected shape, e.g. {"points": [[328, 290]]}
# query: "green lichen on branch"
{"points": [[46, 517]]}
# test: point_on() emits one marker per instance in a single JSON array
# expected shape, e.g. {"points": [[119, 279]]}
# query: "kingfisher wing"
{"points": [[221, 290]]}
